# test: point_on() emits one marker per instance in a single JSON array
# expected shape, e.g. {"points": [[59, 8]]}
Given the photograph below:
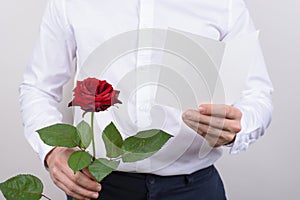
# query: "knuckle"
{"points": [[220, 122], [229, 138], [201, 133], [72, 188], [228, 111], [54, 172], [184, 115], [201, 118], [69, 151], [76, 178], [56, 161], [187, 114], [239, 114], [70, 193], [200, 128], [236, 128], [212, 130]]}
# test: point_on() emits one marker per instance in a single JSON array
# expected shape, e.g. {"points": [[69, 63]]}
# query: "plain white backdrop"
{"points": [[268, 170]]}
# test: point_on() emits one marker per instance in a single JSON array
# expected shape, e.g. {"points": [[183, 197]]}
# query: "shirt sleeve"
{"points": [[255, 103], [48, 70]]}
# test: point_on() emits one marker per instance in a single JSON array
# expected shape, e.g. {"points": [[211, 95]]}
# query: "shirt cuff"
{"points": [[43, 153], [245, 137], [38, 145]]}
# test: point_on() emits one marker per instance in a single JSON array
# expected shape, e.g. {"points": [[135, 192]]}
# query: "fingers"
{"points": [[79, 185], [84, 183], [220, 110], [88, 174], [213, 121], [68, 187], [215, 137], [218, 124]]}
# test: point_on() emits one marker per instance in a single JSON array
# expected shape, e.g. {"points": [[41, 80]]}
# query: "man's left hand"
{"points": [[217, 123]]}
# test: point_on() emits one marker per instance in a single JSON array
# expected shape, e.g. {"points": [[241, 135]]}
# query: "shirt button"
{"points": [[144, 107]]}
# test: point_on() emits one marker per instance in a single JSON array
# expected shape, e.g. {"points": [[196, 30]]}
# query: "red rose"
{"points": [[94, 95]]}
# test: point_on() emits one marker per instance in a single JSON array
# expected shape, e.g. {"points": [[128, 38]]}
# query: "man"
{"points": [[73, 28]]}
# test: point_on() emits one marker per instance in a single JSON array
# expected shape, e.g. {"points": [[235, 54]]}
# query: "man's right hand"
{"points": [[81, 185]]}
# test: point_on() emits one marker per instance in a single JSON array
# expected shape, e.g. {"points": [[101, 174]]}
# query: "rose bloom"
{"points": [[94, 95]]}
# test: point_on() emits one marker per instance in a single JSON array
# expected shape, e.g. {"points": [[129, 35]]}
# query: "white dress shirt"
{"points": [[75, 28]]}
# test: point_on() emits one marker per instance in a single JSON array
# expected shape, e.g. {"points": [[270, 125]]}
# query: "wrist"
{"points": [[49, 156]]}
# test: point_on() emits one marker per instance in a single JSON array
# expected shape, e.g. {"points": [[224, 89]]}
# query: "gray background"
{"points": [[268, 170]]}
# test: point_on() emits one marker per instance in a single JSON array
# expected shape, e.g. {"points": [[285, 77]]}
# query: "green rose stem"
{"points": [[46, 197], [93, 136]]}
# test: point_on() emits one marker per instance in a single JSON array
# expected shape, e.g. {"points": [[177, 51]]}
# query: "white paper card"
{"points": [[200, 70]]}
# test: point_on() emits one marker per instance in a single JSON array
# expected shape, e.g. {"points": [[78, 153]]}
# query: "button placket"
{"points": [[146, 14], [145, 22], [143, 58]]}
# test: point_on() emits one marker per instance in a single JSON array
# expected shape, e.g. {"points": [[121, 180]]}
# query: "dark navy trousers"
{"points": [[204, 184]]}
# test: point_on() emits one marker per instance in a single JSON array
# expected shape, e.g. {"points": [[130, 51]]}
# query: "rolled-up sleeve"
{"points": [[256, 101], [46, 73]]}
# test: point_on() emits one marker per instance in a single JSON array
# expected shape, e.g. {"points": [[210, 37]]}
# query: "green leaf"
{"points": [[22, 187], [79, 160], [85, 134], [102, 167], [144, 144], [63, 135], [113, 141]]}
